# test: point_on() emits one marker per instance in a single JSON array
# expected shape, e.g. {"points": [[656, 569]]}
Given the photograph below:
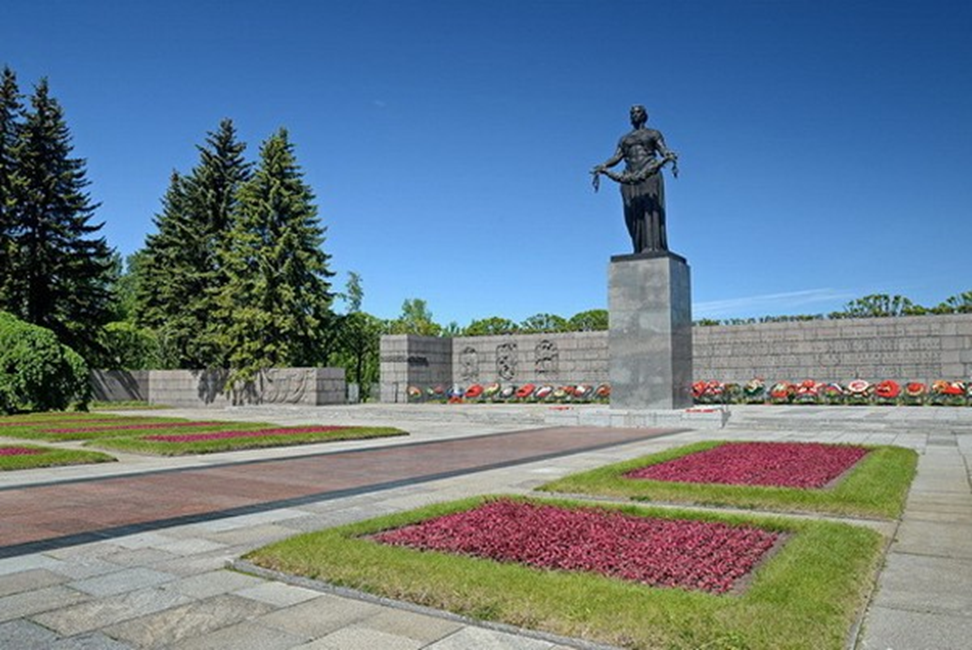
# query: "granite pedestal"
{"points": [[650, 332]]}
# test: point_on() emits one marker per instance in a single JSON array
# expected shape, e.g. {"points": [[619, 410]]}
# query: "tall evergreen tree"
{"points": [[63, 271], [275, 306], [10, 109], [181, 275]]}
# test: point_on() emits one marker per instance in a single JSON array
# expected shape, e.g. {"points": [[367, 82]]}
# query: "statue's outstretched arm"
{"points": [[610, 162]]}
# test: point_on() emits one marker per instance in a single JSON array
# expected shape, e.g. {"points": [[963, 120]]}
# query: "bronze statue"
{"points": [[644, 153]]}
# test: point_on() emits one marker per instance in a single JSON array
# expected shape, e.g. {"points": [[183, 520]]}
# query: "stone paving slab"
{"points": [[28, 603], [319, 617], [905, 630], [243, 636], [187, 621], [101, 613], [927, 584]]}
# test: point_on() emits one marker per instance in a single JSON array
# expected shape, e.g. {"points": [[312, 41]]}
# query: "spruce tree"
{"points": [[10, 108], [274, 308], [181, 274], [63, 271]]}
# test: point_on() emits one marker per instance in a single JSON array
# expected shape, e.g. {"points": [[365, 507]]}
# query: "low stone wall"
{"points": [[907, 348], [305, 386], [120, 385], [195, 388]]}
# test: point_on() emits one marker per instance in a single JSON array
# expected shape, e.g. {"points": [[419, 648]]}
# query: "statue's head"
{"points": [[638, 115]]}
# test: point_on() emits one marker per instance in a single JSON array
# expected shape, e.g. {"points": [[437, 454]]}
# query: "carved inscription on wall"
{"points": [[469, 364], [548, 358], [506, 361]]}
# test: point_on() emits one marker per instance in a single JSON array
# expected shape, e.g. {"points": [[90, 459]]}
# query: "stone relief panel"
{"points": [[469, 364], [547, 358], [506, 361]]}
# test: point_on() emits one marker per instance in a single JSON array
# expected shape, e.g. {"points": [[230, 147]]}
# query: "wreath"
{"points": [[525, 391], [474, 391]]}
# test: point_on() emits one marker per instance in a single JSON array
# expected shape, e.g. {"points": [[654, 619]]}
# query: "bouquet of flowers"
{"points": [[603, 393], [782, 392], [948, 393], [414, 394], [833, 393], [859, 392], [754, 392], [915, 393], [887, 392], [808, 392], [582, 392]]}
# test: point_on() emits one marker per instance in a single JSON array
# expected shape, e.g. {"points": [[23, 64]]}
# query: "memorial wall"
{"points": [[907, 348]]}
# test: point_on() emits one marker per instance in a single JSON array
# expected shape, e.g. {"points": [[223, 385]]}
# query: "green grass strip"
{"points": [[135, 443], [111, 427], [875, 487], [51, 457], [805, 596]]}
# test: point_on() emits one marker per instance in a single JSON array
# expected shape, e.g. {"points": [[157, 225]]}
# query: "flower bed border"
{"points": [[875, 487], [783, 600]]}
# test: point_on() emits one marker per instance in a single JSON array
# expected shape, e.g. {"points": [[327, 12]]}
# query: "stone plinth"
{"points": [[650, 333]]}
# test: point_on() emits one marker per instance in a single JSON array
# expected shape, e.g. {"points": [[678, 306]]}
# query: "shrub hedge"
{"points": [[37, 372]]}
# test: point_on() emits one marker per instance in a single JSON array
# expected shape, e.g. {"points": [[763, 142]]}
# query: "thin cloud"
{"points": [[772, 303]]}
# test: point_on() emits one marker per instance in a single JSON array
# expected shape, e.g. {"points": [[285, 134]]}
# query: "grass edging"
{"points": [[137, 444], [807, 595], [51, 457], [876, 486]]}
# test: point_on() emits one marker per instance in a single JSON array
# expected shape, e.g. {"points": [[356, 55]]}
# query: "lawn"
{"points": [[806, 593], [62, 426], [233, 436], [167, 436], [13, 457], [875, 486]]}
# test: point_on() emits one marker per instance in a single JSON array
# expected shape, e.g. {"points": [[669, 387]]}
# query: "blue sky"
{"points": [[825, 146]]}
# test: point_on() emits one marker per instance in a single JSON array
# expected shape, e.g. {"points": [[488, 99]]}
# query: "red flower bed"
{"points": [[20, 451], [134, 427], [659, 552], [780, 464], [219, 435]]}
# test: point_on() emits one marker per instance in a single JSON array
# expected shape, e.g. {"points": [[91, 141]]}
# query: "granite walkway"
{"points": [[168, 586]]}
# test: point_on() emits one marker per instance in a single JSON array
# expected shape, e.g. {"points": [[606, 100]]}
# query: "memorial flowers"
{"points": [[782, 392], [887, 392], [754, 391], [474, 391], [915, 393], [525, 391], [808, 392], [858, 392], [832, 393], [947, 393]]}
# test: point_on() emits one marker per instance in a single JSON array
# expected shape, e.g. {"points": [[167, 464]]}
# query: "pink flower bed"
{"points": [[133, 427], [663, 553], [780, 464], [20, 451], [259, 433]]}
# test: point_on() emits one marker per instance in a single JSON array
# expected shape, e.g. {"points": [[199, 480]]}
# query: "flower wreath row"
{"points": [[494, 392], [858, 391]]}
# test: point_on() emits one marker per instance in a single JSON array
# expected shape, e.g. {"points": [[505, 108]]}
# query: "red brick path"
{"points": [[74, 511]]}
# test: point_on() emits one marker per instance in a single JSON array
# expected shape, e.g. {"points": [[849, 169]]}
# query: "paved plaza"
{"points": [[138, 554]]}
